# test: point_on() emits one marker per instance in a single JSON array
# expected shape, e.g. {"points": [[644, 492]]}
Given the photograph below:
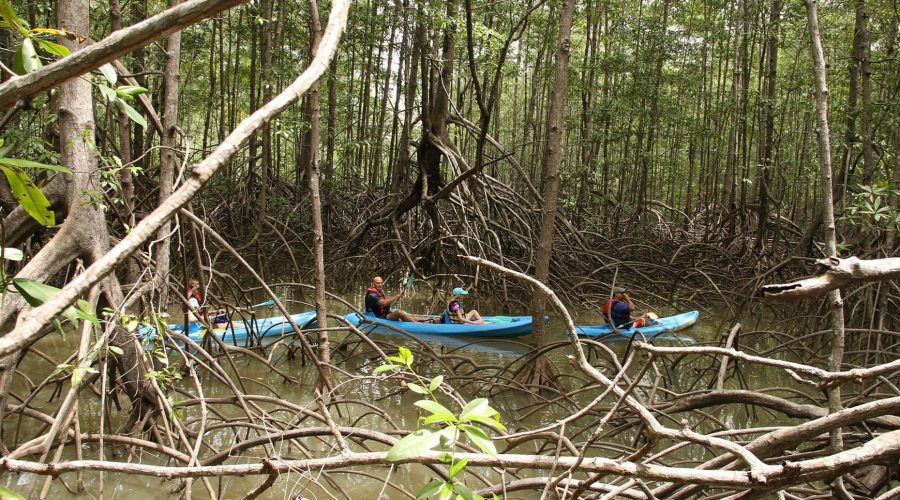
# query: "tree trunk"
{"points": [[168, 163], [326, 379], [835, 360], [551, 163]]}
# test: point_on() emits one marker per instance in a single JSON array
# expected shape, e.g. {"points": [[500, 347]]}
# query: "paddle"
{"points": [[270, 302]]}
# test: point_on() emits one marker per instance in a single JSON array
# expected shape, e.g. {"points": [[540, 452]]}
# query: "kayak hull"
{"points": [[511, 326], [274, 326], [662, 325]]}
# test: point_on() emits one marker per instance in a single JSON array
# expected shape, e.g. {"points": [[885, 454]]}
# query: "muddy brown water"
{"points": [[483, 356]]}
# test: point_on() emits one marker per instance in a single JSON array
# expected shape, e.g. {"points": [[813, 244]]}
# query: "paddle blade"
{"points": [[409, 282]]}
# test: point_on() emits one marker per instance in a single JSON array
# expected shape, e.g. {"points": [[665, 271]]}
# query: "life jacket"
{"points": [[607, 307], [376, 308], [450, 317], [196, 295]]}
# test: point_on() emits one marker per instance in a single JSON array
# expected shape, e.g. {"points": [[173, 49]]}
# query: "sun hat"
{"points": [[460, 291], [619, 289]]}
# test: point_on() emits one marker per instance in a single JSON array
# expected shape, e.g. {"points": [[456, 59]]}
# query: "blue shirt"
{"points": [[621, 313]]}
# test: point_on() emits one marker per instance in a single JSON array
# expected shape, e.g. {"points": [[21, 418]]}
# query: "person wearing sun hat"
{"points": [[618, 309], [457, 314]]}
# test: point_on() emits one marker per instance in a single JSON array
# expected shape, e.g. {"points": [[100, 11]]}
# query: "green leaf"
{"points": [[129, 91], [132, 113], [476, 408], [9, 15], [418, 389], [108, 93], [15, 162], [437, 410], [86, 312], [435, 382], [36, 293], [109, 73], [6, 493], [462, 490], [407, 356], [384, 368], [54, 48], [458, 467], [30, 197], [116, 350], [77, 375], [414, 444], [429, 489], [26, 59], [479, 439], [12, 254], [446, 492]]}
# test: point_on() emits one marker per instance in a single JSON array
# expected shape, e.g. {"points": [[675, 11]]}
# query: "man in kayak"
{"points": [[217, 318], [456, 312], [618, 309], [380, 306]]}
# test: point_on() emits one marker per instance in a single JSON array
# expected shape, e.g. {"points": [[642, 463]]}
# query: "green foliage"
{"points": [[441, 429], [872, 208], [8, 494]]}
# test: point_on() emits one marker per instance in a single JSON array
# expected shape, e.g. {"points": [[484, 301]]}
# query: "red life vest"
{"points": [[376, 308], [192, 293]]}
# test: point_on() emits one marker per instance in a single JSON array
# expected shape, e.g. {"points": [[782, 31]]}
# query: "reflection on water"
{"points": [[475, 362]]}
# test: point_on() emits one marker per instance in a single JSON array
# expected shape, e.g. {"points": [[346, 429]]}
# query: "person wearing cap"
{"points": [[380, 306], [456, 312], [618, 309]]}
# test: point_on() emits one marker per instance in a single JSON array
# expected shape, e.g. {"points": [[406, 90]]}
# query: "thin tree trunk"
{"points": [[168, 164], [835, 360], [551, 166], [326, 378]]}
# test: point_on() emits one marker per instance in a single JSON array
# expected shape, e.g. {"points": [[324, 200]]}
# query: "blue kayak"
{"points": [[502, 326], [659, 326], [258, 328]]}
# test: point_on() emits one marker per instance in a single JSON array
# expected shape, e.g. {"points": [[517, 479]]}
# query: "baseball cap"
{"points": [[460, 291], [620, 289]]}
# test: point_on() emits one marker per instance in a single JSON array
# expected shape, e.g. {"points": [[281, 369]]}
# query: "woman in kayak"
{"points": [[456, 312], [217, 318]]}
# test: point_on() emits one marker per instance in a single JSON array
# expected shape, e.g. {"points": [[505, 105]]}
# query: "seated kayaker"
{"points": [[380, 306], [457, 314], [618, 309], [216, 317]]}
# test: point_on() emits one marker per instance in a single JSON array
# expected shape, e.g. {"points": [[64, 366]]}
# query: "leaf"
{"points": [[446, 492], [129, 91], [132, 113], [76, 377], [109, 72], [9, 15], [429, 489], [36, 293], [418, 389], [476, 408], [435, 382], [15, 162], [407, 356], [108, 93], [462, 490], [458, 467], [54, 48], [384, 368], [414, 444], [26, 59], [479, 439], [86, 312], [437, 410], [30, 197], [12, 254], [116, 350]]}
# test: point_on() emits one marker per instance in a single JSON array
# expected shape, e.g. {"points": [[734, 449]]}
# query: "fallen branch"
{"points": [[838, 273]]}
